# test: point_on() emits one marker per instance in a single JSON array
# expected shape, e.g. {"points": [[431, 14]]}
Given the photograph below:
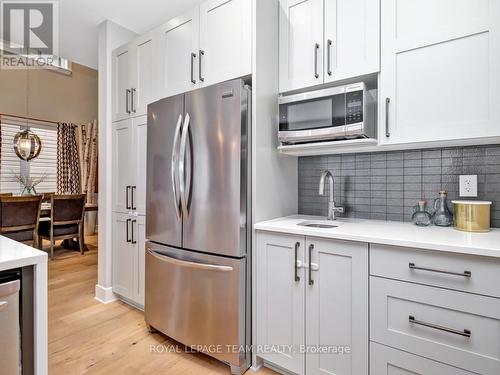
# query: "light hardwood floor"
{"points": [[88, 337]]}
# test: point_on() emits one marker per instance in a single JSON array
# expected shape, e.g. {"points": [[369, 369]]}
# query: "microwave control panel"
{"points": [[354, 107]]}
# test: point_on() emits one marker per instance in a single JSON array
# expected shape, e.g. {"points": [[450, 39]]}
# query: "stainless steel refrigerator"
{"points": [[198, 221]]}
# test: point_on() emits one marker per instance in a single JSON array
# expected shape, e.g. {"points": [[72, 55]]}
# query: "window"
{"points": [[44, 165]]}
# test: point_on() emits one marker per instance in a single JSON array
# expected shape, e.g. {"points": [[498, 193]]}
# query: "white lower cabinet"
{"points": [[336, 307], [281, 298], [129, 240], [388, 361], [312, 304]]}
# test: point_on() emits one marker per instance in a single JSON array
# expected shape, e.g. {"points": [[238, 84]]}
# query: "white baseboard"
{"points": [[104, 295]]}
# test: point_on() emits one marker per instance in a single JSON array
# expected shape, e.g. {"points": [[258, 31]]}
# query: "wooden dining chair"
{"points": [[47, 197], [19, 218], [66, 221]]}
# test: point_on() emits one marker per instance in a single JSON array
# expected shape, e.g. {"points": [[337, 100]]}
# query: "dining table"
{"points": [[70, 244]]}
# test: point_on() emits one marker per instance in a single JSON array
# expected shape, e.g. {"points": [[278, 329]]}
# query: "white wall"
{"points": [[274, 176], [111, 36]]}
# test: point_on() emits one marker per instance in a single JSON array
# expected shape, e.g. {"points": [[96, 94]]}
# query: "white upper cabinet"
{"points": [[225, 40], [133, 84], [211, 43], [122, 84], [327, 40], [301, 44], [142, 75], [352, 38], [178, 47], [440, 71]]}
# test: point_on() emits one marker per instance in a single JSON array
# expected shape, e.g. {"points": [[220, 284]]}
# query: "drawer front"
{"points": [[456, 328], [389, 361], [473, 274]]}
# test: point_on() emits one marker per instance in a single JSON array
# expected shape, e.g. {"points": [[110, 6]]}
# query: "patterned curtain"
{"points": [[87, 147], [68, 164]]}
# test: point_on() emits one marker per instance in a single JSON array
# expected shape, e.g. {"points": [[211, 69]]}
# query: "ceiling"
{"points": [[79, 20]]}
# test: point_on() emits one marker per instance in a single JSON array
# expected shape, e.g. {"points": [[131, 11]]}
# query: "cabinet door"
{"points": [[439, 70], [121, 61], [122, 173], [142, 85], [123, 256], [138, 237], [178, 41], [352, 38], [387, 361], [301, 44], [225, 40], [337, 307], [139, 153], [280, 299]]}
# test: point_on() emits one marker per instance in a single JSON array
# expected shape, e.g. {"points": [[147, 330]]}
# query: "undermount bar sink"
{"points": [[320, 224]]}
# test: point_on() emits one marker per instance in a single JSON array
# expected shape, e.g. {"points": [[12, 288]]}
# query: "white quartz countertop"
{"points": [[14, 254], [392, 233]]}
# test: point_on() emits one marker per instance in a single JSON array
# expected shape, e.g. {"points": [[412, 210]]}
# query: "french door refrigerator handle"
{"points": [[182, 166], [174, 165]]}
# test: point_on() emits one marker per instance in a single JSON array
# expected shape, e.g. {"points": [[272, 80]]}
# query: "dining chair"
{"points": [[19, 218], [66, 221], [47, 196]]}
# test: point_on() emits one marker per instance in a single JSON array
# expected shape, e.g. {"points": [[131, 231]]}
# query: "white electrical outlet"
{"points": [[468, 185]]}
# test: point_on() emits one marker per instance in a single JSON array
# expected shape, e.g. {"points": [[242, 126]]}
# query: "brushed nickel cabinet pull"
{"points": [[464, 274], [316, 49], [193, 56], [387, 130], [328, 57], [202, 53], [311, 248], [297, 245], [464, 333]]}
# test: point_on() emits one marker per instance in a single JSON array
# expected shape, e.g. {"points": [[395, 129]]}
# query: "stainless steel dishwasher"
{"points": [[10, 329]]}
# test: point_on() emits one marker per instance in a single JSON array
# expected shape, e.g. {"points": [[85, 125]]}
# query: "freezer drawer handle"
{"points": [[464, 333], [184, 263], [464, 274]]}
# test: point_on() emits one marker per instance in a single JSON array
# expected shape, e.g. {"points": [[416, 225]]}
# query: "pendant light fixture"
{"points": [[27, 145]]}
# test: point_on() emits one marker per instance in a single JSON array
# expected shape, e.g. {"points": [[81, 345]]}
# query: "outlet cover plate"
{"points": [[468, 185]]}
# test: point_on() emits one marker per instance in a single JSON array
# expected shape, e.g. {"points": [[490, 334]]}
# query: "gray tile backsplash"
{"points": [[386, 185]]}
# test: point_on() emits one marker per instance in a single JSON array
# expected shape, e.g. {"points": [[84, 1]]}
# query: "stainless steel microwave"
{"points": [[335, 113]]}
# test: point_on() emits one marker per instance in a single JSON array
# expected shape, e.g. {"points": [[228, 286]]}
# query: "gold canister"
{"points": [[472, 216]]}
